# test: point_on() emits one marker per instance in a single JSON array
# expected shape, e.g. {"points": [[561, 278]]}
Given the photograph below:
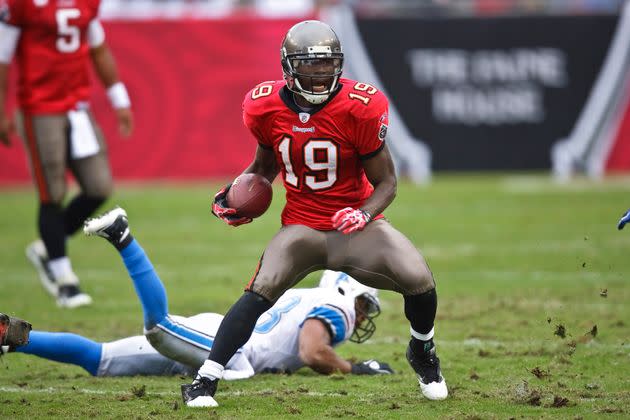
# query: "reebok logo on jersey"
{"points": [[303, 129]]}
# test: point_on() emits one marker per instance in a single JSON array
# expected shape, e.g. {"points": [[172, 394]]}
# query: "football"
{"points": [[250, 195]]}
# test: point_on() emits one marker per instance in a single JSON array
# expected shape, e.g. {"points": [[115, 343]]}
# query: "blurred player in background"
{"points": [[54, 41], [302, 328], [624, 219], [326, 136]]}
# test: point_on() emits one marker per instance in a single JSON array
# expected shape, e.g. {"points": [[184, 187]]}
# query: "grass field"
{"points": [[517, 260]]}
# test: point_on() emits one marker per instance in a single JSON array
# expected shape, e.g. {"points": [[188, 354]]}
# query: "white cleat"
{"points": [[427, 368], [113, 226], [70, 295], [65, 290], [38, 256], [204, 401], [74, 301], [200, 393], [434, 390]]}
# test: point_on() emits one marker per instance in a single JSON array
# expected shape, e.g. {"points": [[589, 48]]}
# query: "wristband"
{"points": [[368, 216], [118, 96]]}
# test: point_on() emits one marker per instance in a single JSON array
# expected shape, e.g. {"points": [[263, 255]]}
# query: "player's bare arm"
{"points": [[107, 72], [264, 164], [6, 125], [380, 172], [316, 351]]}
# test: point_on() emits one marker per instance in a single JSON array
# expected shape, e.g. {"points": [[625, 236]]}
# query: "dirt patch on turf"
{"points": [[589, 335], [523, 394], [139, 391], [559, 402], [539, 373], [293, 410], [484, 353], [560, 331], [610, 410]]}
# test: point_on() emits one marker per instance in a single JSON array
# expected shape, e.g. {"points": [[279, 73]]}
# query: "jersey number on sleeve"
{"points": [[365, 88], [274, 315], [319, 155], [69, 39], [262, 90]]}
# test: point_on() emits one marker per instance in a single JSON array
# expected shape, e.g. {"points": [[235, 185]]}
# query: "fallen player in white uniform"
{"points": [[302, 328]]}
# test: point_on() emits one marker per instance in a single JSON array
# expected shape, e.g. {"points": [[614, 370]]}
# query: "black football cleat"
{"points": [[427, 368], [13, 331], [200, 393], [113, 226]]}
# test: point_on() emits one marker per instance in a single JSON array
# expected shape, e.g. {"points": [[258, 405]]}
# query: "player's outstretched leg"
{"points": [[114, 226], [64, 348], [169, 335], [13, 331], [420, 310]]}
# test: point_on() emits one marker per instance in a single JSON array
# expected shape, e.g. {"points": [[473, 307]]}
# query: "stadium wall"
{"points": [[468, 93]]}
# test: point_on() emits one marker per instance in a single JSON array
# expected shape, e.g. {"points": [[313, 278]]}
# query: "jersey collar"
{"points": [[287, 97]]}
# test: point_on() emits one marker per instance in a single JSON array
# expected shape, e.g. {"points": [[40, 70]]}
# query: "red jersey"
{"points": [[320, 152], [52, 52]]}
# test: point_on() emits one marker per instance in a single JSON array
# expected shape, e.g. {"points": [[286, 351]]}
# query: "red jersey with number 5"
{"points": [[319, 152], [52, 52]]}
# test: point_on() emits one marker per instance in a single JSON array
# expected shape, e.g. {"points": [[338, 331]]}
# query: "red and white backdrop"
{"points": [[187, 80], [468, 94]]}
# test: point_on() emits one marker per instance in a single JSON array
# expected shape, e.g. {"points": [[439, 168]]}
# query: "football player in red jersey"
{"points": [[326, 137], [53, 42]]}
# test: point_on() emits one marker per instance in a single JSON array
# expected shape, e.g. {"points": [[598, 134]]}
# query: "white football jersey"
{"points": [[274, 343], [181, 345]]}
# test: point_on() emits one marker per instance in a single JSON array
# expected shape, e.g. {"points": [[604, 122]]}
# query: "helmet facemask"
{"points": [[367, 308], [314, 75], [366, 303]]}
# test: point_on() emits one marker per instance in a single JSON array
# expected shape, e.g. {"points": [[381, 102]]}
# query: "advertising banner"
{"points": [[488, 93]]}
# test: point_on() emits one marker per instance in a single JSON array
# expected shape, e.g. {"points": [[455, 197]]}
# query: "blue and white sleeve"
{"points": [[335, 319]]}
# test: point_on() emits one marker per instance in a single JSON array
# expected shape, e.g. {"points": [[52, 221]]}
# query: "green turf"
{"points": [[515, 258]]}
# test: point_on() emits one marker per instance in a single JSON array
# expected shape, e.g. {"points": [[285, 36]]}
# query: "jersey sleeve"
{"points": [[335, 319], [254, 112], [372, 123]]}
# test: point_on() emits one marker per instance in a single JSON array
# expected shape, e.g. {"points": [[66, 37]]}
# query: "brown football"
{"points": [[250, 195]]}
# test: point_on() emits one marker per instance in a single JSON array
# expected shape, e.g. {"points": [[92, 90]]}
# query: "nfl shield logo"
{"points": [[304, 117]]}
